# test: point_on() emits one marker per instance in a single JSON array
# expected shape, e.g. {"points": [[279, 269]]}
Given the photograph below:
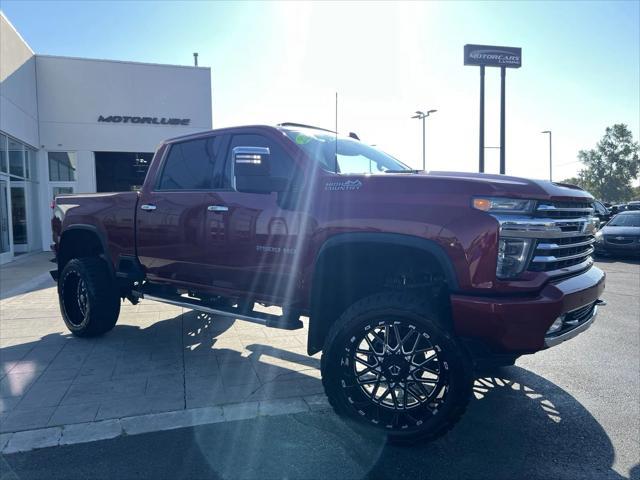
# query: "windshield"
{"points": [[353, 155], [625, 221]]}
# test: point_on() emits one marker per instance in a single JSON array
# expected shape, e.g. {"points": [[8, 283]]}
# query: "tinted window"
{"points": [[190, 165], [600, 208], [282, 165], [626, 220]]}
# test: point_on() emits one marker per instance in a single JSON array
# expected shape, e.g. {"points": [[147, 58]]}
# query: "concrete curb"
{"points": [[27, 440]]}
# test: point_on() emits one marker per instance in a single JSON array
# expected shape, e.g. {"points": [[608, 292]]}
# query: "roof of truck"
{"points": [[279, 126], [206, 133]]}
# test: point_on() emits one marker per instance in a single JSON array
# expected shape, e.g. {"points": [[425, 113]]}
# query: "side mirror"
{"points": [[252, 171], [252, 161]]}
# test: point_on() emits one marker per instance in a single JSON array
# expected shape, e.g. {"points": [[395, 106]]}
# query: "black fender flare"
{"points": [[99, 235], [379, 238]]}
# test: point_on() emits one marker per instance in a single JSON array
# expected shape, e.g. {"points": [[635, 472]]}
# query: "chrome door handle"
{"points": [[148, 207], [218, 208]]}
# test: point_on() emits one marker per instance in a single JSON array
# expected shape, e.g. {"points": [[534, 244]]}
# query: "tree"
{"points": [[572, 181], [612, 166]]}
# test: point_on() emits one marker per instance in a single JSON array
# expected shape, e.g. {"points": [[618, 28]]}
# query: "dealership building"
{"points": [[77, 125]]}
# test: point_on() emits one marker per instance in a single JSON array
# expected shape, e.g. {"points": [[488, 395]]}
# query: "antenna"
{"points": [[195, 59], [336, 169]]}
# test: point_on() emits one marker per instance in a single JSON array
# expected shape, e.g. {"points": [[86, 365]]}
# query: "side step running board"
{"points": [[264, 319]]}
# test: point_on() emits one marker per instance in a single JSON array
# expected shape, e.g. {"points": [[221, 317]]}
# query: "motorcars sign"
{"points": [[492, 56]]}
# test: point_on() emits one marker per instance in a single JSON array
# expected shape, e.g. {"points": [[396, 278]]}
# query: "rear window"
{"points": [[190, 166]]}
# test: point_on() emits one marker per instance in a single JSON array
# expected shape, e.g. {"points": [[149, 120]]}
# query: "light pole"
{"points": [[422, 116], [550, 157]]}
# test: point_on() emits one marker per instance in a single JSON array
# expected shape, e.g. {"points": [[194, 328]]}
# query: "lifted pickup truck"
{"points": [[409, 279]]}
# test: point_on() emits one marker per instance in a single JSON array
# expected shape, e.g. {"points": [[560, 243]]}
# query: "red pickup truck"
{"points": [[409, 279]]}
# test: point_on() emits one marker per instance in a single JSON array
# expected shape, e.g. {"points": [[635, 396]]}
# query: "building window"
{"points": [[55, 191], [121, 171], [62, 166], [30, 163], [16, 159], [3, 153]]}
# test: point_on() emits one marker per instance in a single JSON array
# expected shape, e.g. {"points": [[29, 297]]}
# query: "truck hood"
{"points": [[503, 185]]}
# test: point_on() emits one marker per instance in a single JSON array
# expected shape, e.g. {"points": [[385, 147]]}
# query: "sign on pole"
{"points": [[489, 56]]}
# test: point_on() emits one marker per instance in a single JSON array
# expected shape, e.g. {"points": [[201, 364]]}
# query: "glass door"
{"points": [[19, 218], [5, 239]]}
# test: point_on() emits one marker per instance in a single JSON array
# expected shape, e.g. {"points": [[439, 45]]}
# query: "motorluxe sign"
{"points": [[490, 56], [143, 120]]}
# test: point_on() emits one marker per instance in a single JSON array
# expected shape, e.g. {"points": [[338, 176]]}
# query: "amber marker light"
{"points": [[482, 204]]}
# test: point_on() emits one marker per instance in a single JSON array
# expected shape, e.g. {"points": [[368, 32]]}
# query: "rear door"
{"points": [[170, 224]]}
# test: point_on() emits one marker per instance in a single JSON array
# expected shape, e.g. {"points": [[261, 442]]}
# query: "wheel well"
{"points": [[349, 272], [78, 243]]}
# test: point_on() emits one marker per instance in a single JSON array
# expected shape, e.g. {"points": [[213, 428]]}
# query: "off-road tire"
{"points": [[418, 422], [88, 295]]}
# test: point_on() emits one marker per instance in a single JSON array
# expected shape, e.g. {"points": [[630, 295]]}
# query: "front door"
{"points": [[255, 239], [170, 222]]}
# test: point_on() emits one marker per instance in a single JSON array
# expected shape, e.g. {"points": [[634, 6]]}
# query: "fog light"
{"points": [[557, 325]]}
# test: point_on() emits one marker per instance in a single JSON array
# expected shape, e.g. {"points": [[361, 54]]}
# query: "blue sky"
{"points": [[274, 62]]}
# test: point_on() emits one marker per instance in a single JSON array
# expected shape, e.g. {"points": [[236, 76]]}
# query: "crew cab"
{"points": [[409, 280]]}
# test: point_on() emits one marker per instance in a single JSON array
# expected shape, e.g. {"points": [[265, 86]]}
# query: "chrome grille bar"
{"points": [[555, 246], [566, 210], [552, 258], [551, 208]]}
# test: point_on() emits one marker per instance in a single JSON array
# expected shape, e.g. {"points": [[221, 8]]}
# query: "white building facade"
{"points": [[82, 125]]}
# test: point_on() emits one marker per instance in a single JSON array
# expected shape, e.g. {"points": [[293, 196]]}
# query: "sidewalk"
{"points": [[159, 358], [25, 273]]}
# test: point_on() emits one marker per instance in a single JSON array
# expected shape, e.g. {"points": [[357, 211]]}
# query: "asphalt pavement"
{"points": [[569, 412]]}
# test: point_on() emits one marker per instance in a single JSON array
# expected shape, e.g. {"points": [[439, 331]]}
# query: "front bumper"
{"points": [[618, 248], [520, 324]]}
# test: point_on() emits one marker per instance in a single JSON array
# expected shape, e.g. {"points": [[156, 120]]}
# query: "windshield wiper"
{"points": [[402, 171]]}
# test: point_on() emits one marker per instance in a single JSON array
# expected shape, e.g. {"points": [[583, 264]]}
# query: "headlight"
{"points": [[502, 205], [599, 237], [512, 256]]}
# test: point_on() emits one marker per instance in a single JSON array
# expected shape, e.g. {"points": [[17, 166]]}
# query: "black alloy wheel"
{"points": [[388, 362], [88, 295]]}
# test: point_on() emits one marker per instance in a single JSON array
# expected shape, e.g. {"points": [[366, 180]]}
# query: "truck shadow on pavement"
{"points": [[518, 424]]}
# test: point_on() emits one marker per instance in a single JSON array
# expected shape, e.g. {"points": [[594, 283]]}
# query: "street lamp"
{"points": [[422, 116], [550, 163]]}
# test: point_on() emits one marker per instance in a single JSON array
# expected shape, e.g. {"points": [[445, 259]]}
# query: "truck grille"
{"points": [[564, 209], [619, 240], [572, 245]]}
